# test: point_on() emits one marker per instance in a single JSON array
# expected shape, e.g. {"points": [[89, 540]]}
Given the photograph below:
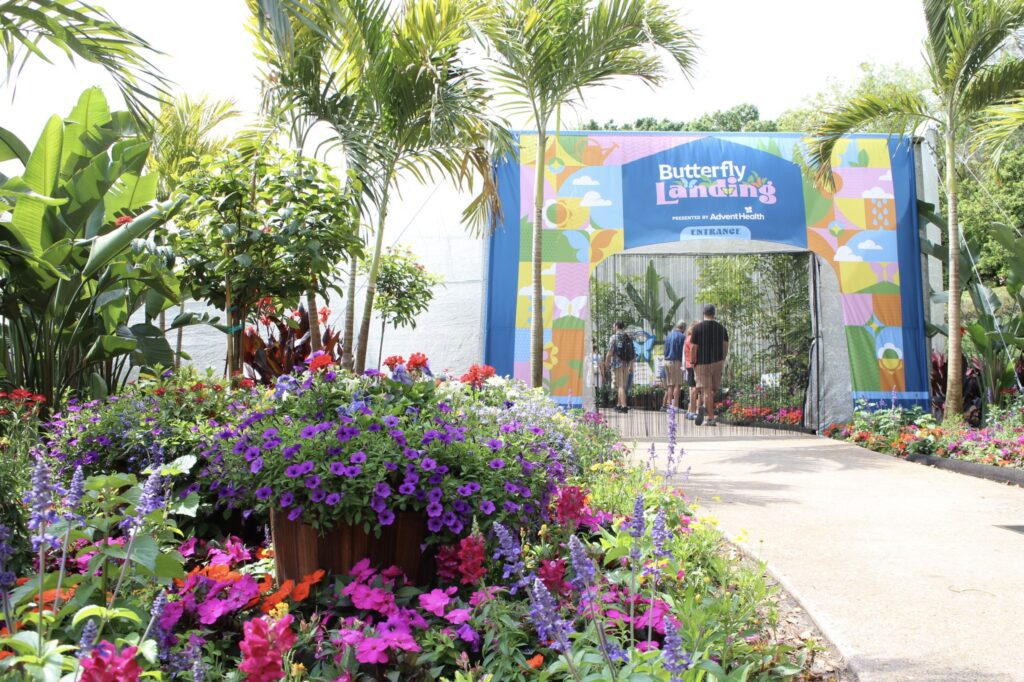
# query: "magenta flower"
{"points": [[372, 650], [436, 600], [458, 616]]}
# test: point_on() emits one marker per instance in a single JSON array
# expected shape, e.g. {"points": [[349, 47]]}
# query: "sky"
{"points": [[770, 54]]}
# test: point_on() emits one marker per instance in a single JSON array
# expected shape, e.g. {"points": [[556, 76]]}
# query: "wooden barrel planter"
{"points": [[299, 550]]}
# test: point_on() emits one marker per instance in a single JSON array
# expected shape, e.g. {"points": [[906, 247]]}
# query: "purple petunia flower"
{"points": [[264, 492], [318, 495], [382, 489], [293, 471], [407, 488], [332, 499], [337, 468], [428, 464], [287, 499], [461, 506], [308, 431], [511, 488], [378, 504], [390, 466], [312, 481], [435, 478], [251, 453], [434, 509], [291, 451], [487, 507], [455, 526], [511, 507], [269, 433], [256, 466], [494, 444], [386, 517], [391, 421], [357, 457], [294, 514], [434, 525], [307, 466], [435, 494], [353, 471], [496, 463]]}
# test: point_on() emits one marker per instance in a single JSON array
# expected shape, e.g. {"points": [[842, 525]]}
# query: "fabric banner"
{"points": [[606, 192]]}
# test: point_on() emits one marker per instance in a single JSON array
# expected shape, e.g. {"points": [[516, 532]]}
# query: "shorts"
{"points": [[620, 376], [691, 378], [709, 375], [673, 373]]}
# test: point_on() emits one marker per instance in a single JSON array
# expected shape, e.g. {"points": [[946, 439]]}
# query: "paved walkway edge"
{"points": [[987, 471], [820, 622]]}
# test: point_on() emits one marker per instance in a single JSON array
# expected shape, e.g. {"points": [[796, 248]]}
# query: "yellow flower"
{"points": [[298, 670], [279, 611], [716, 498], [742, 537]]}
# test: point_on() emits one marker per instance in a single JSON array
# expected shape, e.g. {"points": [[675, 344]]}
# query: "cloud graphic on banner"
{"points": [[886, 177], [845, 254], [876, 193], [594, 200], [585, 181], [869, 245]]}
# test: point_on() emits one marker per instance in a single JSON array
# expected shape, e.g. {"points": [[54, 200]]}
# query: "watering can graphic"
{"points": [[590, 152]]}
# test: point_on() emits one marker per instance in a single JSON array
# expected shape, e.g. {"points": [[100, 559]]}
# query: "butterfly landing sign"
{"points": [[712, 189]]}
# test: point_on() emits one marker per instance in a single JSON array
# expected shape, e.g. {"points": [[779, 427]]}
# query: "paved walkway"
{"points": [[914, 573]]}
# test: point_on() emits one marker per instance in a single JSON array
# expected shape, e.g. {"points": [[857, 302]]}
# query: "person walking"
{"points": [[688, 374], [709, 346], [621, 355], [674, 343]]}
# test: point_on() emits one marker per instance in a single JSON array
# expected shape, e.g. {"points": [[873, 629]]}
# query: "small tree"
{"points": [[405, 289], [265, 226]]}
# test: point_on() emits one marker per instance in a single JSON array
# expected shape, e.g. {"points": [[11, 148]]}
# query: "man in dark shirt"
{"points": [[674, 363], [709, 346]]}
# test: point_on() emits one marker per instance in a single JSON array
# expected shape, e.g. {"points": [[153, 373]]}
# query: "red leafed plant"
{"points": [[278, 346]]}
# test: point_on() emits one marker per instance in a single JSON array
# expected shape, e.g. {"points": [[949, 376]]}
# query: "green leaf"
{"points": [[152, 345], [111, 245], [169, 565], [128, 195], [12, 148], [91, 611], [108, 345], [43, 168], [145, 551]]}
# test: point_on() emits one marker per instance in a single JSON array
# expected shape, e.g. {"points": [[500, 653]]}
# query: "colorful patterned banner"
{"points": [[608, 192]]}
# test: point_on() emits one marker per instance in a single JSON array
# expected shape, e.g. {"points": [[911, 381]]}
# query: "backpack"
{"points": [[623, 348]]}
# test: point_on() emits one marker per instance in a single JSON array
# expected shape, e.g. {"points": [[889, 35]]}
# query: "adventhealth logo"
{"points": [[722, 181]]}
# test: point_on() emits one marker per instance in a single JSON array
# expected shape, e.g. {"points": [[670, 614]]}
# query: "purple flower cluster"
{"points": [[674, 657], [511, 556], [545, 616], [582, 566], [40, 501]]}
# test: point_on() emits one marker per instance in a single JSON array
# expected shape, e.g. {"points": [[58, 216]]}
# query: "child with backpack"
{"points": [[621, 354]]}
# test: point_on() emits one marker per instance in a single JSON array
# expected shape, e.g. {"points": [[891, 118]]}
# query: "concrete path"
{"points": [[914, 573]]}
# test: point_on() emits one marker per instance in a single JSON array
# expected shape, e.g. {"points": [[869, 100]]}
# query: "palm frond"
{"points": [[991, 85], [998, 125], [900, 111], [86, 32]]}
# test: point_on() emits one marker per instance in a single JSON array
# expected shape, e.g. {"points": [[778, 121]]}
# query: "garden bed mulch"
{"points": [[1012, 476], [796, 628]]}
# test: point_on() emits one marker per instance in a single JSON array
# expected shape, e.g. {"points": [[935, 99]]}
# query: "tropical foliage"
{"points": [[77, 258]]}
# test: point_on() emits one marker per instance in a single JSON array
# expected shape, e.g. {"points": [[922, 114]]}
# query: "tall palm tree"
{"points": [[970, 70], [548, 51], [392, 85], [85, 31]]}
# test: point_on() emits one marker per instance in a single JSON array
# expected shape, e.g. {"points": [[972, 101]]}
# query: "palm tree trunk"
{"points": [[314, 321], [371, 282], [181, 337], [955, 377], [350, 315], [537, 321]]}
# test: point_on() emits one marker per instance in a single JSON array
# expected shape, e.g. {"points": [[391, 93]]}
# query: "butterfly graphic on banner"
{"points": [[570, 307]]}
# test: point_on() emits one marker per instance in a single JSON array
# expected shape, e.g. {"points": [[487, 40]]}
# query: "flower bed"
{"points": [[561, 562], [907, 432]]}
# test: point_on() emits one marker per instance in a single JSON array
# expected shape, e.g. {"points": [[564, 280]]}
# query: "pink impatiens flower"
{"points": [[435, 600], [263, 648], [458, 616], [372, 650], [105, 664], [370, 598]]}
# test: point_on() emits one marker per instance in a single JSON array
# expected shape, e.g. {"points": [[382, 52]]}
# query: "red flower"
{"points": [[247, 383], [477, 375], [552, 574], [392, 360], [123, 220], [417, 361], [447, 561], [319, 362], [324, 313], [471, 559], [572, 502], [263, 648]]}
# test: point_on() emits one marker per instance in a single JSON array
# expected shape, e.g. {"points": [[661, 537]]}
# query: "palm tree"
{"points": [[87, 32], [184, 132], [392, 86], [970, 71], [548, 51]]}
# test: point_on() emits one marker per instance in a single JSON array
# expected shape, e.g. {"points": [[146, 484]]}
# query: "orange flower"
{"points": [[536, 662], [300, 592], [264, 553], [276, 598]]}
